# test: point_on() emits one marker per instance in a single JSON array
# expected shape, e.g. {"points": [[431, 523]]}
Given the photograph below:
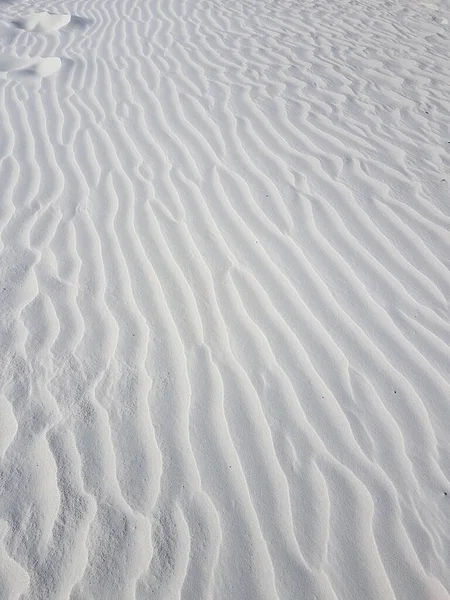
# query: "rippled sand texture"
{"points": [[225, 254]]}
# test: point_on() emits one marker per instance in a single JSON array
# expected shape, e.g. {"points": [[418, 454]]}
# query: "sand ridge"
{"points": [[224, 242]]}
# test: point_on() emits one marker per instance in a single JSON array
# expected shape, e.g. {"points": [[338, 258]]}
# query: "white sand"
{"points": [[43, 22], [225, 285], [39, 67]]}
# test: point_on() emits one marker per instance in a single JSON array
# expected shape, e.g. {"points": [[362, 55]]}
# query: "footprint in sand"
{"points": [[43, 22], [440, 20], [29, 67], [38, 67]]}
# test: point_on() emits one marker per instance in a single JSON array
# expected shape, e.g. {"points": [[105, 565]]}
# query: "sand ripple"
{"points": [[224, 234]]}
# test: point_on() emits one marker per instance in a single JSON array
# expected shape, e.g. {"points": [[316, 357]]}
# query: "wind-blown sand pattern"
{"points": [[224, 300]]}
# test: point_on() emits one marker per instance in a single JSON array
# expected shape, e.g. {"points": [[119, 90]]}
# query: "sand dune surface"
{"points": [[224, 294]]}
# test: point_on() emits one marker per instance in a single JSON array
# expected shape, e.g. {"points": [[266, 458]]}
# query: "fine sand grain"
{"points": [[224, 300]]}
